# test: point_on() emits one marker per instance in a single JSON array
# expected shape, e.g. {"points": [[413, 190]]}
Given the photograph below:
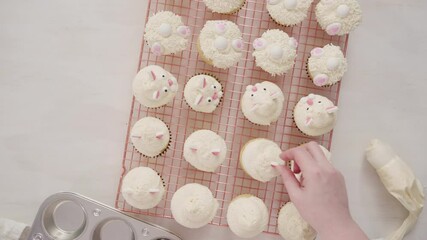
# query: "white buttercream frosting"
{"points": [[288, 12], [338, 17], [292, 226], [193, 205], [203, 93], [205, 150], [142, 188], [247, 216], [257, 157], [224, 6], [262, 103], [220, 42], [315, 115], [327, 65], [154, 87], [165, 33], [275, 52], [150, 136]]}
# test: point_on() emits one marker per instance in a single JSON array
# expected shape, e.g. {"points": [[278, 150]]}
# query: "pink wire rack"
{"points": [[228, 121]]}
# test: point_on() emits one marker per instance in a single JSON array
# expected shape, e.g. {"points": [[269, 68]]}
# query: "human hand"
{"points": [[321, 196]]}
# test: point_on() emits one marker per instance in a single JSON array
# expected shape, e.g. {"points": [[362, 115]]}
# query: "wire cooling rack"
{"points": [[228, 121]]}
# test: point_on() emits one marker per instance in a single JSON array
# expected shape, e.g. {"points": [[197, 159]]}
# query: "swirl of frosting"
{"points": [[193, 205], [247, 216]]}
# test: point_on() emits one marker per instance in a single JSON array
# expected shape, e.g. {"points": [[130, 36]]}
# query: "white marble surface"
{"points": [[65, 71]]}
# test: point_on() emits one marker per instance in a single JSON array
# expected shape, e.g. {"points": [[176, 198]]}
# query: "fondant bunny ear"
{"points": [[254, 107], [193, 148], [293, 42], [203, 82], [216, 151], [157, 49], [320, 80], [273, 2], [221, 27], [184, 31], [174, 86], [317, 52], [333, 29], [153, 75], [156, 95], [308, 121], [154, 190], [198, 100], [275, 95], [159, 135], [237, 44], [259, 43], [332, 109]]}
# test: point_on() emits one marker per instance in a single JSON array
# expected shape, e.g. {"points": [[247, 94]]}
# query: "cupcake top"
{"points": [[338, 17], [315, 115], [327, 65], [288, 12], [150, 136], [247, 216], [221, 43], [257, 157], [193, 205], [154, 87], [205, 150], [292, 226], [203, 93], [142, 188], [166, 34], [224, 6], [262, 103], [275, 52]]}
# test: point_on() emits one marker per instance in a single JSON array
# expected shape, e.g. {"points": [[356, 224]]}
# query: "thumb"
{"points": [[289, 179]]}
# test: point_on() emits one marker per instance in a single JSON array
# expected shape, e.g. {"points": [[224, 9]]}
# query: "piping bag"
{"points": [[400, 181]]}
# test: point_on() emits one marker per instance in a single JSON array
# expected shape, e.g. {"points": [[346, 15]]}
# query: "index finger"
{"points": [[301, 156]]}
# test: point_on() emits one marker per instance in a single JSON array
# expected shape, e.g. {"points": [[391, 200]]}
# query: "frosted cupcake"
{"points": [[220, 44], [288, 12], [203, 93], [193, 205], [326, 66], [247, 216], [154, 87], [292, 226], [275, 52], [257, 158], [262, 103], [205, 150], [150, 136], [143, 188], [224, 6], [338, 17], [315, 115], [165, 33]]}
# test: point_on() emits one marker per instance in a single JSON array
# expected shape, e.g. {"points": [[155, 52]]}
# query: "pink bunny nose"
{"points": [[170, 82], [310, 102], [254, 89], [215, 96]]}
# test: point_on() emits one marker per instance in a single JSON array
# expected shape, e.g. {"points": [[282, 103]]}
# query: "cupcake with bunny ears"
{"points": [[315, 115], [275, 52], [262, 103], [203, 93]]}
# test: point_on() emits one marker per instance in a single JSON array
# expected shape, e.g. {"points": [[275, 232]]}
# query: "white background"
{"points": [[65, 74]]}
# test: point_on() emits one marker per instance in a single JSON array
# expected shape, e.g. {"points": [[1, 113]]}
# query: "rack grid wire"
{"points": [[227, 120]]}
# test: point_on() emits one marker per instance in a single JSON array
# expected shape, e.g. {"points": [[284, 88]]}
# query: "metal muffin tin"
{"points": [[69, 216]]}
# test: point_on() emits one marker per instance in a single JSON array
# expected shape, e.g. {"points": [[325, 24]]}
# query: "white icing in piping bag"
{"points": [[400, 181]]}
